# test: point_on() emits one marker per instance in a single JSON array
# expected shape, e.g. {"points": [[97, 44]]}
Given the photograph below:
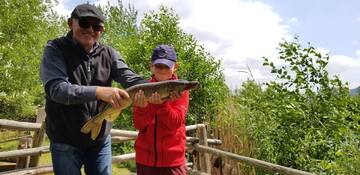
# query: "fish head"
{"points": [[182, 85]]}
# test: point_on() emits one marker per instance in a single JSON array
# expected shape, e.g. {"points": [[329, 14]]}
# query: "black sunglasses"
{"points": [[96, 24]]}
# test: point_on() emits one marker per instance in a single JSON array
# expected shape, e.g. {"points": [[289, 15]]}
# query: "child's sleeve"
{"points": [[172, 113], [141, 117]]}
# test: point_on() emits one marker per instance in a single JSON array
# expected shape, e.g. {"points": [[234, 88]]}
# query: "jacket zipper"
{"points": [[89, 71], [155, 151]]}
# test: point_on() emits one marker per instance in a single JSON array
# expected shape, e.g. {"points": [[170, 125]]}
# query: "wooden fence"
{"points": [[27, 158]]}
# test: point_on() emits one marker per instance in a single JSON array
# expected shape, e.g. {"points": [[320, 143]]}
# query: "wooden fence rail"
{"points": [[28, 126], [202, 166], [20, 126], [24, 152], [49, 169], [250, 161]]}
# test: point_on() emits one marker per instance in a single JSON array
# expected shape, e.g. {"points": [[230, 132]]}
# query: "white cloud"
{"points": [[357, 53], [347, 68], [339, 64], [322, 51], [293, 20], [245, 32], [60, 8]]}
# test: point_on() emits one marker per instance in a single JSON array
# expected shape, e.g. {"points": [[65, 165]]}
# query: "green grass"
{"points": [[45, 159]]}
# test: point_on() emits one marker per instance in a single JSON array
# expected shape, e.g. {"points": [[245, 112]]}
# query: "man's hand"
{"points": [[140, 99], [113, 96]]}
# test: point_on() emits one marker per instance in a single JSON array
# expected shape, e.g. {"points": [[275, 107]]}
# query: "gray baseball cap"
{"points": [[87, 10]]}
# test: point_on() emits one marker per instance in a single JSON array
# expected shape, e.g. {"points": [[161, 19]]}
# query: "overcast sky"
{"points": [[241, 32]]}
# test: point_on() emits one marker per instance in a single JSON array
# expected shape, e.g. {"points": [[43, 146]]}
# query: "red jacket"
{"points": [[162, 135]]}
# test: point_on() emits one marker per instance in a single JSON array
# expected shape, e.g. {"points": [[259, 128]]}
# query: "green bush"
{"points": [[304, 120]]}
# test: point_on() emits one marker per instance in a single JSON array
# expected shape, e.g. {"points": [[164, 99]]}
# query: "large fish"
{"points": [[163, 88]]}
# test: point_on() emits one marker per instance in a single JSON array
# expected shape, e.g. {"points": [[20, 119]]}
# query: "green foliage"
{"points": [[24, 29], [120, 26], [305, 120]]}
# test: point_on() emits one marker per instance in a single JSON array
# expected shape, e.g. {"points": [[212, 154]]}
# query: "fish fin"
{"points": [[113, 115], [95, 131], [93, 126]]}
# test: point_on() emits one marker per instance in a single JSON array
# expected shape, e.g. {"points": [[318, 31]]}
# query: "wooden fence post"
{"points": [[39, 136], [196, 160], [38, 140], [205, 164], [40, 115], [23, 162]]}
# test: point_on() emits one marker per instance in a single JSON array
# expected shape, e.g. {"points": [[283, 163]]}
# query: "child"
{"points": [[160, 145]]}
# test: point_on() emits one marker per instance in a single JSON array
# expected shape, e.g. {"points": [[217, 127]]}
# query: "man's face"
{"points": [[86, 31]]}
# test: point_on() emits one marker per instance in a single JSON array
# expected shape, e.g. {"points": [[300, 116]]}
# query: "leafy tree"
{"points": [[25, 27], [120, 26]]}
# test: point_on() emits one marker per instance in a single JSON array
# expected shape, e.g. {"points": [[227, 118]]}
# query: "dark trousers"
{"points": [[146, 170]]}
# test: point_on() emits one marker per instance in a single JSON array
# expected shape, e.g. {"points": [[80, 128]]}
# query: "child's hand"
{"points": [[140, 100], [174, 95], [155, 99]]}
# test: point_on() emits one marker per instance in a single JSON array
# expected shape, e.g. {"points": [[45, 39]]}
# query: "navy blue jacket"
{"points": [[70, 77]]}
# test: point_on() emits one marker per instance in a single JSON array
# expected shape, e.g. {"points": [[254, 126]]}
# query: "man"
{"points": [[77, 73]]}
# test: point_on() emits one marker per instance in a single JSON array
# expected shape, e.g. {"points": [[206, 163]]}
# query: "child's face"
{"points": [[162, 72]]}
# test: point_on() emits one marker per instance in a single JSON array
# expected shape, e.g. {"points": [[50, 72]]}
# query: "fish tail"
{"points": [[93, 126]]}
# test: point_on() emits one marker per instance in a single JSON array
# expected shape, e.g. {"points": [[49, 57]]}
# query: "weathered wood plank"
{"points": [[123, 157], [126, 133], [194, 127], [251, 161], [38, 140], [40, 115], [205, 164], [196, 172], [209, 141], [49, 168], [16, 125], [29, 126], [120, 139], [30, 171], [23, 162], [24, 152]]}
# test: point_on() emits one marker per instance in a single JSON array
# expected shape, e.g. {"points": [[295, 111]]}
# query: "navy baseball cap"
{"points": [[164, 54], [87, 10]]}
